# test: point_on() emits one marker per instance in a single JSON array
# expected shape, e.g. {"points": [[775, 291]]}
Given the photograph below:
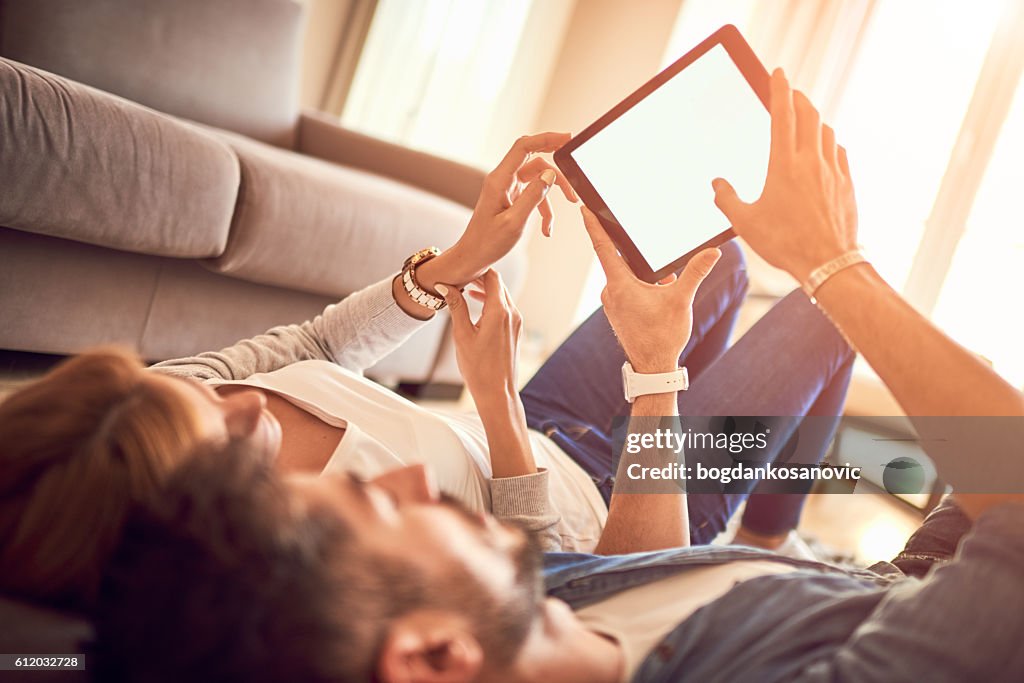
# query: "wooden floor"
{"points": [[867, 526]]}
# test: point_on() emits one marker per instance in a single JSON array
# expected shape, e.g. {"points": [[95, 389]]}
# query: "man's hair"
{"points": [[230, 576], [77, 448]]}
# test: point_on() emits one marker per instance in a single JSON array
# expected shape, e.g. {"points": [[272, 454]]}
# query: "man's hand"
{"points": [[511, 192], [653, 322], [806, 215]]}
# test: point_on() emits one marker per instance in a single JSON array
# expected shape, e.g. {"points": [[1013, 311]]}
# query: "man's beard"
{"points": [[502, 622]]}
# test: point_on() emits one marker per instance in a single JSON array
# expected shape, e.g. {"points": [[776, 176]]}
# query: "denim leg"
{"points": [[577, 393], [791, 363], [774, 508]]}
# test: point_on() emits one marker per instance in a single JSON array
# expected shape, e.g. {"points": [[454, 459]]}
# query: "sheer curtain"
{"points": [[922, 93], [433, 73]]}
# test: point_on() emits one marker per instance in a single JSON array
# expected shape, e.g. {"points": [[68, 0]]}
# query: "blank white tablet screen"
{"points": [[653, 166]]}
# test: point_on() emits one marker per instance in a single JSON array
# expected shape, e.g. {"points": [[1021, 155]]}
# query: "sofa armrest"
{"points": [[320, 136]]}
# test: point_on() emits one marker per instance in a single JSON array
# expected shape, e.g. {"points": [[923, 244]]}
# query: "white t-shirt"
{"points": [[384, 431], [639, 618]]}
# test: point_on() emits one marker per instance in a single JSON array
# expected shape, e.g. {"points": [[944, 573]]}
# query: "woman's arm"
{"points": [[354, 333], [487, 352], [366, 326]]}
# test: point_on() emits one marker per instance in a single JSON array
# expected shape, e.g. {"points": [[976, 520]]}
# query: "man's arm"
{"points": [[647, 521], [928, 373], [653, 323], [806, 217]]}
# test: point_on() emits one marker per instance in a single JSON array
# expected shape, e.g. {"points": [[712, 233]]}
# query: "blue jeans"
{"points": [[792, 362]]}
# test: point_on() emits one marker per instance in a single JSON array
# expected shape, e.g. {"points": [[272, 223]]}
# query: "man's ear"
{"points": [[242, 413], [429, 648]]}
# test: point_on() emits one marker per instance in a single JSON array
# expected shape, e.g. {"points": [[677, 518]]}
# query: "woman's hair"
{"points": [[77, 448]]}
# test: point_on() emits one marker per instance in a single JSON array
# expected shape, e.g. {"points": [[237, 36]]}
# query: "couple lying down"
{"points": [[379, 571]]}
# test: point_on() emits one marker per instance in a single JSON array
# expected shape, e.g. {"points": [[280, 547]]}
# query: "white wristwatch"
{"points": [[635, 384]]}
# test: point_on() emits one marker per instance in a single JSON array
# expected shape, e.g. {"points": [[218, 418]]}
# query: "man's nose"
{"points": [[413, 484]]}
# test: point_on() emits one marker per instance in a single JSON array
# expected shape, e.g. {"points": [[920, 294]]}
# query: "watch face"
{"points": [[420, 256]]}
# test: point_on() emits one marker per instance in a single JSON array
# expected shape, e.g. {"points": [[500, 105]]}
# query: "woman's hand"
{"points": [[488, 353], [806, 215], [518, 185], [653, 322], [488, 350]]}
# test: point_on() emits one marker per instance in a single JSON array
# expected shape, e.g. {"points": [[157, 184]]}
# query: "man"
{"points": [[240, 575]]}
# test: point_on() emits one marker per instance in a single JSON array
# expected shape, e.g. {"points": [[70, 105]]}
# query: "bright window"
{"points": [[980, 304], [900, 114], [433, 72]]}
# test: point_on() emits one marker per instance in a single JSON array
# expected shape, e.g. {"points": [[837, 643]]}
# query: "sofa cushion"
{"points": [[318, 227], [228, 63], [88, 166]]}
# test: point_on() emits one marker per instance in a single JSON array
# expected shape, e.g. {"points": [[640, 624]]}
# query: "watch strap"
{"points": [[412, 287], [420, 296], [822, 274], [636, 384]]}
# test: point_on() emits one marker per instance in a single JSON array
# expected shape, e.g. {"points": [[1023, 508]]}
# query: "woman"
{"points": [[99, 432]]}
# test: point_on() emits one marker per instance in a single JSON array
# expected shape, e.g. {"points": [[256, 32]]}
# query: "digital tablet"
{"points": [[645, 168]]}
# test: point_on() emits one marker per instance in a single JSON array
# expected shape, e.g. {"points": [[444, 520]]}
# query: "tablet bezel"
{"points": [[753, 72]]}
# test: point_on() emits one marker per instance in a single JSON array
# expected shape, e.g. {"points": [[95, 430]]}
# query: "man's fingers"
{"points": [[611, 262], [844, 162], [668, 279], [727, 201], [828, 145], [461, 324], [533, 168], [698, 268], [523, 148], [783, 122], [808, 124]]}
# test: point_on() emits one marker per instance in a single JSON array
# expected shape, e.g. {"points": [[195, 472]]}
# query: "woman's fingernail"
{"points": [[548, 177], [441, 289]]}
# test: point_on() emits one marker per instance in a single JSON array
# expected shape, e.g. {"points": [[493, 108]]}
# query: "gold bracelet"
{"points": [[821, 275]]}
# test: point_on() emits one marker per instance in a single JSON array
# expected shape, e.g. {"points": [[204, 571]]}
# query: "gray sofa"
{"points": [[161, 188]]}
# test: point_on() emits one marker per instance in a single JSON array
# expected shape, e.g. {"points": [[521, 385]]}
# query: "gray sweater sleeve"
{"points": [[354, 333], [525, 501]]}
